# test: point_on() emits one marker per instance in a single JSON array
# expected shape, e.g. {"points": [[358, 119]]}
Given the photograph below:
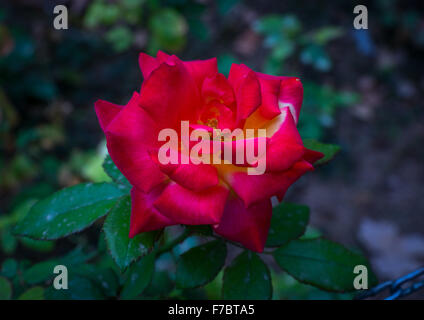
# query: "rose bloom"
{"points": [[236, 204]]}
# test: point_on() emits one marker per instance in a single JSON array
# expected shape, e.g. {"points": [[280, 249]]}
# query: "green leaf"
{"points": [[288, 222], [37, 245], [138, 277], [321, 263], [8, 241], [40, 272], [5, 289], [247, 278], [316, 56], [287, 25], [329, 150], [77, 256], [9, 268], [132, 10], [326, 34], [273, 66], [201, 264], [161, 284], [34, 293], [43, 271], [79, 288], [311, 233], [117, 227], [69, 210], [107, 280], [168, 29], [113, 172], [104, 278], [283, 50], [120, 37], [101, 13]]}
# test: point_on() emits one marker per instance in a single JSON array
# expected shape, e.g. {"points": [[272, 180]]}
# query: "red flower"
{"points": [[224, 195]]}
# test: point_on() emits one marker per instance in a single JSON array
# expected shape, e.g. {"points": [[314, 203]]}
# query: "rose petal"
{"points": [[106, 112], [147, 64], [191, 176], [279, 92], [218, 88], [144, 216], [270, 91], [248, 226], [129, 137], [198, 69], [239, 147], [285, 145], [216, 110], [312, 156], [170, 95], [162, 56], [254, 188], [291, 95], [247, 90], [283, 125], [282, 156], [195, 177], [201, 69], [189, 207]]}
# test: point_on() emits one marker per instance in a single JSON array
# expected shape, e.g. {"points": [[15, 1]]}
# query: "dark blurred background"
{"points": [[363, 91]]}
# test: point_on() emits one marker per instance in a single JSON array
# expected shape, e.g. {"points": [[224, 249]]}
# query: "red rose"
{"points": [[224, 195]]}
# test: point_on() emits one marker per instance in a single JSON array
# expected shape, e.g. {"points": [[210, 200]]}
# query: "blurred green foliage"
{"points": [[285, 37], [166, 26], [320, 104]]}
